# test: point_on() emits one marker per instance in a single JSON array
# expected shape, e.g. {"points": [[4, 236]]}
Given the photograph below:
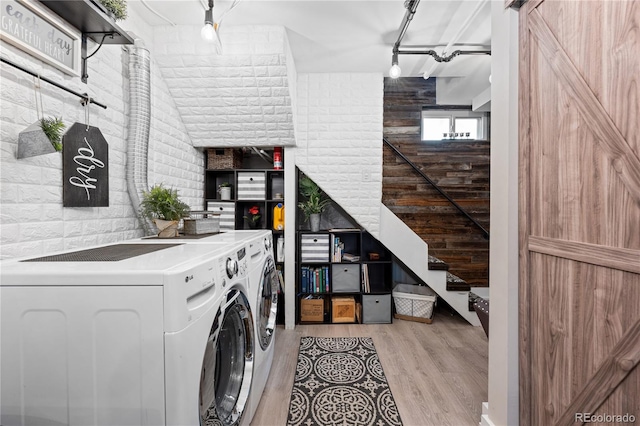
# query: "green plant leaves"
{"points": [[117, 7], [316, 200], [53, 127], [163, 203]]}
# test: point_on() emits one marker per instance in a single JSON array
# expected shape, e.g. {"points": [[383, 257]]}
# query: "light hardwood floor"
{"points": [[437, 372]]}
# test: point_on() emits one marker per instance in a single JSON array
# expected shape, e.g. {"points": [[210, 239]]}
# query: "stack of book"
{"points": [[348, 257], [337, 251], [337, 247], [366, 286], [315, 280]]}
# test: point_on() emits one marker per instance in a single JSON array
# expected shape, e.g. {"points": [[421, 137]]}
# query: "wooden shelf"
{"points": [[91, 19], [88, 17]]}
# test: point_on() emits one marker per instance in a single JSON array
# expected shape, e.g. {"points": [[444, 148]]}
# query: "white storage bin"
{"points": [[227, 214], [251, 186], [314, 248], [413, 302]]}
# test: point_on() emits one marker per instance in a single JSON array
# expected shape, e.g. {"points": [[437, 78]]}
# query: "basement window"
{"points": [[453, 124]]}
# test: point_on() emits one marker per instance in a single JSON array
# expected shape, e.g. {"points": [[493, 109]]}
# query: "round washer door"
{"points": [[227, 368], [267, 303]]}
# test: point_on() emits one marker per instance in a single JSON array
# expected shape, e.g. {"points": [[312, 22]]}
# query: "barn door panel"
{"points": [[580, 209]]}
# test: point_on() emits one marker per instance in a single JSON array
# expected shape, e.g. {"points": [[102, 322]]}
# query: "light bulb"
{"points": [[208, 33], [395, 71], [489, 78], [426, 75]]}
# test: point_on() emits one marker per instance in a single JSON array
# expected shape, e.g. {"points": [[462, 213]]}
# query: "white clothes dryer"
{"points": [[127, 334]]}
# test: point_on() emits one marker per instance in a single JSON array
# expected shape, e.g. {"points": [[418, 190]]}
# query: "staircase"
{"points": [[411, 250], [429, 212]]}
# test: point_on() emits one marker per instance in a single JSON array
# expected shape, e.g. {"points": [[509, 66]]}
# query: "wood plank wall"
{"points": [[461, 168]]}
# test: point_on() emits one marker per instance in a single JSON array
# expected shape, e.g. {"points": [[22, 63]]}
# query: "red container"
{"points": [[277, 158]]}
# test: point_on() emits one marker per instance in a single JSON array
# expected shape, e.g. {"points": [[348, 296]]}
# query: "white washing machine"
{"points": [[264, 283], [163, 336], [259, 265]]}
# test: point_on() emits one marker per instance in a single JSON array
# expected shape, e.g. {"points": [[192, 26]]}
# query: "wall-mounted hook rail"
{"points": [[85, 97]]}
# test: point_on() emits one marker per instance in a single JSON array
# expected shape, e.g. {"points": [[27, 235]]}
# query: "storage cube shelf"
{"points": [[249, 188], [335, 267], [253, 183]]}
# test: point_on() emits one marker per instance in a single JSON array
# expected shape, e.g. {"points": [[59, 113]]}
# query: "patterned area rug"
{"points": [[339, 382]]}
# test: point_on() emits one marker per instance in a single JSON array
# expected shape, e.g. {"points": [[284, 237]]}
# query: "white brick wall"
{"points": [[32, 219], [339, 140], [238, 98]]}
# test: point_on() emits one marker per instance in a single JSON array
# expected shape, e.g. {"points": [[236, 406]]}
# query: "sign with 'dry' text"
{"points": [[85, 167], [36, 30]]}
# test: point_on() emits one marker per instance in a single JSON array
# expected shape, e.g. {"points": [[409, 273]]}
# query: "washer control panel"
{"points": [[242, 262], [231, 267]]}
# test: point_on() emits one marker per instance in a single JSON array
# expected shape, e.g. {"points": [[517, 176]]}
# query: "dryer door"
{"points": [[267, 303], [227, 367]]}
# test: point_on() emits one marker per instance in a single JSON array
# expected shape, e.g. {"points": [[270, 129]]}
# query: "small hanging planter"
{"points": [[33, 141], [42, 137]]}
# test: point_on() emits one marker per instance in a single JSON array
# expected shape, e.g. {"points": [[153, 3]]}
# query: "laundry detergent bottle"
{"points": [[278, 217]]}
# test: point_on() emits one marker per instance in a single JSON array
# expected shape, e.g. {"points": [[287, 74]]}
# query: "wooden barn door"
{"points": [[580, 211]]}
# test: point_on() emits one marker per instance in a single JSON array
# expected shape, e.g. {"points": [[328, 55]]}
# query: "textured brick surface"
{"points": [[33, 220], [339, 135], [238, 98]]}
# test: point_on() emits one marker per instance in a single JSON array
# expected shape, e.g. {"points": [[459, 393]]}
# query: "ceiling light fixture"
{"points": [[395, 70], [208, 32]]}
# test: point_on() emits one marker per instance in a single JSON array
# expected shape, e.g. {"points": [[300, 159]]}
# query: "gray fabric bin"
{"points": [[376, 308], [345, 278]]}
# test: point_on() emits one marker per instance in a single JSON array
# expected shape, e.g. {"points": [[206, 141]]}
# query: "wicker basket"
{"points": [[224, 158], [414, 303]]}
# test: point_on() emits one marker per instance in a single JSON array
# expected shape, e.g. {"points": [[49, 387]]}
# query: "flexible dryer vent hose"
{"points": [[139, 125]]}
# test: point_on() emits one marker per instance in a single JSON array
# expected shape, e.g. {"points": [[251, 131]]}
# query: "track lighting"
{"points": [[395, 70], [208, 32], [411, 7]]}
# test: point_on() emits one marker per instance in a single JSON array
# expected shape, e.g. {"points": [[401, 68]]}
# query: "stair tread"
{"points": [[455, 283], [436, 264]]}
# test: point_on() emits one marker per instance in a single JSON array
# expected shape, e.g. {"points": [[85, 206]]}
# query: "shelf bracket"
{"points": [[85, 57]]}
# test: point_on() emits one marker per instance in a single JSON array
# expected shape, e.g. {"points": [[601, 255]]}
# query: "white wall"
{"points": [[32, 219], [240, 97], [339, 140], [503, 255]]}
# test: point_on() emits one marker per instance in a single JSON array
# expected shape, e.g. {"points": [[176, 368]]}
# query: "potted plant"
{"points": [[253, 217], [225, 191], [42, 137], [116, 8], [315, 203], [164, 207]]}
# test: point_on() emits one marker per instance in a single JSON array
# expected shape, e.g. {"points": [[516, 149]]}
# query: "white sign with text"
{"points": [[39, 32]]}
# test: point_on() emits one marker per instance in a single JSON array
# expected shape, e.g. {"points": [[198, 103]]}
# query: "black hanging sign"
{"points": [[85, 167]]}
